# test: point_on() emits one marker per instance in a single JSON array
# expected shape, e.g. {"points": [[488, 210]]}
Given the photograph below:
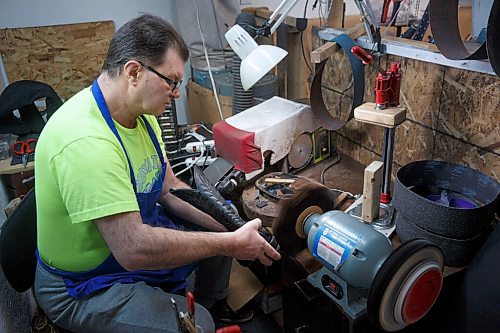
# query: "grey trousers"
{"points": [[128, 308]]}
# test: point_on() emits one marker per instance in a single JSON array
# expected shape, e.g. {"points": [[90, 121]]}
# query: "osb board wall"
{"points": [[452, 115], [67, 57]]}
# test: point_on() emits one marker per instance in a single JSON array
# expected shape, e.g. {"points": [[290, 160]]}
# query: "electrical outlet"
{"points": [[203, 161], [195, 147]]}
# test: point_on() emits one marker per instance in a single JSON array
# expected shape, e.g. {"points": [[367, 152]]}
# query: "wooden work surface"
{"points": [[346, 175], [7, 169]]}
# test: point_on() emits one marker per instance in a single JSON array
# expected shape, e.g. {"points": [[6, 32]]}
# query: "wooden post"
{"points": [[336, 14], [371, 191]]}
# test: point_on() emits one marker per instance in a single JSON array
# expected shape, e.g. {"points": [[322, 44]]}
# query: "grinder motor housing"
{"points": [[362, 273]]}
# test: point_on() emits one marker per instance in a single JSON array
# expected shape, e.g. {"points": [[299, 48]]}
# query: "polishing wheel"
{"points": [[287, 227]]}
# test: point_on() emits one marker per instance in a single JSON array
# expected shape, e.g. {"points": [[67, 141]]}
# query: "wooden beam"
{"points": [[326, 50], [421, 45]]}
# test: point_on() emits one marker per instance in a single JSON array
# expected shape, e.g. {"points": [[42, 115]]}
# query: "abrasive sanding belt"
{"points": [[446, 33], [317, 103], [444, 25], [493, 36]]}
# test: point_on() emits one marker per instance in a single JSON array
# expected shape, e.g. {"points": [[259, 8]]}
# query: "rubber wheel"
{"points": [[406, 285]]}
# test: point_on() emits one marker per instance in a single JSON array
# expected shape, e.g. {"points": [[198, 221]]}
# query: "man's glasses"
{"points": [[174, 85]]}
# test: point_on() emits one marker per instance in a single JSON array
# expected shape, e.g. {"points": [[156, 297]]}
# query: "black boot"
{"points": [[207, 199]]}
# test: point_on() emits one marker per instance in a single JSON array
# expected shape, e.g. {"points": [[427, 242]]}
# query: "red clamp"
{"points": [[387, 84]]}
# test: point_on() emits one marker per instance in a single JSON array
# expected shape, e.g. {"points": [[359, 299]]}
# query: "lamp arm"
{"points": [[278, 9], [289, 5]]}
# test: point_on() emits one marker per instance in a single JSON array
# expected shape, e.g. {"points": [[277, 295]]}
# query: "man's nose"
{"points": [[176, 93]]}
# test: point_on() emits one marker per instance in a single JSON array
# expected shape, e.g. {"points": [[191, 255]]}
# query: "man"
{"points": [[109, 260]]}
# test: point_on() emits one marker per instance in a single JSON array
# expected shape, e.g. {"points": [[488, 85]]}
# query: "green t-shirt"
{"points": [[82, 174]]}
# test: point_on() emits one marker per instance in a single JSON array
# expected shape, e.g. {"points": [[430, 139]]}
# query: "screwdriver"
{"points": [[366, 58]]}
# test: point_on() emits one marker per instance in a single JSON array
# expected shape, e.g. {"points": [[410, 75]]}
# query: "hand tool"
{"points": [[385, 10], [177, 315], [23, 151], [190, 304], [189, 326]]}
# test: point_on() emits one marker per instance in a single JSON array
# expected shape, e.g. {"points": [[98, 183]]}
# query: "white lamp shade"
{"points": [[260, 61], [240, 41]]}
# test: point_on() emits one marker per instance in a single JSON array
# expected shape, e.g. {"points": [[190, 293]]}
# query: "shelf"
{"points": [[7, 169]]}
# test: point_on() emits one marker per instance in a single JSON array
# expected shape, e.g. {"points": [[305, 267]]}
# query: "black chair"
{"points": [[21, 95], [17, 255], [18, 245]]}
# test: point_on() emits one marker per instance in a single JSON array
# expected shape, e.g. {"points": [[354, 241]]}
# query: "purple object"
{"points": [[417, 180], [454, 202]]}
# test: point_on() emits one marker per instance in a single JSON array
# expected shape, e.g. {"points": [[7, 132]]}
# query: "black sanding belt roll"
{"points": [[444, 25], [493, 37], [316, 96]]}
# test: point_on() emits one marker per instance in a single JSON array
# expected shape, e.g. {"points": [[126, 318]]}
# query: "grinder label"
{"points": [[334, 243]]}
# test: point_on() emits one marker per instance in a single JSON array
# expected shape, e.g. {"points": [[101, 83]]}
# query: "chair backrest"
{"points": [[21, 95], [18, 244]]}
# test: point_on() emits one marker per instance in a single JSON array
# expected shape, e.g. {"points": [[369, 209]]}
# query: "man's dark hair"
{"points": [[146, 38]]}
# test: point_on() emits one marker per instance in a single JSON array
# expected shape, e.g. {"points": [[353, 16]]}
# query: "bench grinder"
{"points": [[361, 272]]}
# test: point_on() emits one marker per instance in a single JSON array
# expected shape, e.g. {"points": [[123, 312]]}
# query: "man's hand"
{"points": [[249, 244]]}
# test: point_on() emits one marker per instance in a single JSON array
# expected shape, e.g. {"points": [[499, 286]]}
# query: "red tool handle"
{"points": [[362, 55], [190, 303], [18, 148], [229, 329], [23, 147], [30, 146], [385, 11], [366, 58]]}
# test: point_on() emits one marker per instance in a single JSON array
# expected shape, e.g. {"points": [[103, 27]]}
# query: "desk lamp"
{"points": [[257, 60]]}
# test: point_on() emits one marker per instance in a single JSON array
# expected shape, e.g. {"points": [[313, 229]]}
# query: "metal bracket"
{"points": [[415, 50]]}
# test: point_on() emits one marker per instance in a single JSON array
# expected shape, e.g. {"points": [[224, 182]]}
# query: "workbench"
{"points": [[17, 179], [7, 169]]}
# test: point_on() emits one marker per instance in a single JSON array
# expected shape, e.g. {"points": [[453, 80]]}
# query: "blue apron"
{"points": [[109, 272]]}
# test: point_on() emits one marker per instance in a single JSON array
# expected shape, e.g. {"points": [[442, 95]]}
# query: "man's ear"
{"points": [[132, 70]]}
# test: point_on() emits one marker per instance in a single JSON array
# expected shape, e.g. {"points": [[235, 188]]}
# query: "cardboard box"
{"points": [[202, 106], [243, 286]]}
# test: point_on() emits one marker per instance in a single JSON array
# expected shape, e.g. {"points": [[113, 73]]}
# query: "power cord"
{"points": [[322, 175], [302, 39], [208, 61]]}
